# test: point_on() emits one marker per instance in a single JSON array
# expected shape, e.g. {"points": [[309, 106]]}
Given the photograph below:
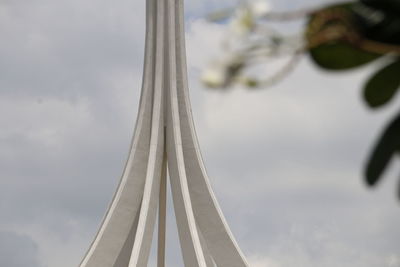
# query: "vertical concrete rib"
{"points": [[190, 242], [148, 211], [206, 252], [119, 221], [211, 222], [162, 215]]}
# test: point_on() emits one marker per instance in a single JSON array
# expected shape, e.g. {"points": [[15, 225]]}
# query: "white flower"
{"points": [[260, 8], [215, 76], [242, 21], [224, 70], [232, 59]]}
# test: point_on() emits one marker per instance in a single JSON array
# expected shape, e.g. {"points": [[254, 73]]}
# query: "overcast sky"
{"points": [[285, 162]]}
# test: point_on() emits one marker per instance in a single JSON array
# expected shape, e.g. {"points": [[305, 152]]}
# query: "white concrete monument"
{"points": [[164, 137]]}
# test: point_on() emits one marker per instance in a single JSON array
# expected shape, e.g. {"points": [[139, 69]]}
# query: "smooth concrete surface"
{"points": [[164, 138]]}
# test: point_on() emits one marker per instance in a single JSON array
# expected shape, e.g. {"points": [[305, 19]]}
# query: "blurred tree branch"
{"points": [[336, 37]]}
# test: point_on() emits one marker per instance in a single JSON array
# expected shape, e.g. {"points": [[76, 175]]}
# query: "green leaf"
{"points": [[386, 5], [340, 56], [384, 150], [382, 86], [379, 20]]}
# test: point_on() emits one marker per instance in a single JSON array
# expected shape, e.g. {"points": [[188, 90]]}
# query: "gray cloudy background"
{"points": [[285, 162]]}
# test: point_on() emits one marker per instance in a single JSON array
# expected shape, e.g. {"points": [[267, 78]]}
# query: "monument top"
{"points": [[164, 142]]}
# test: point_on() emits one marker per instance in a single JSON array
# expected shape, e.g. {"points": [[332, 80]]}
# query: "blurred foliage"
{"points": [[326, 56], [350, 35], [337, 38], [388, 145], [383, 85]]}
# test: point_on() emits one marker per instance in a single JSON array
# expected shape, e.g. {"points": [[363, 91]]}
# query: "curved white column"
{"points": [[212, 224], [164, 136], [150, 200], [114, 240]]}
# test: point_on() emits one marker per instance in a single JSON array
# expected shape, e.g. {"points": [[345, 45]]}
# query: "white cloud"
{"points": [[304, 246], [18, 250], [262, 262]]}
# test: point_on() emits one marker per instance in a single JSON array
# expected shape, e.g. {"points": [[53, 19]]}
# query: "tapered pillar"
{"points": [[162, 216], [164, 138]]}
